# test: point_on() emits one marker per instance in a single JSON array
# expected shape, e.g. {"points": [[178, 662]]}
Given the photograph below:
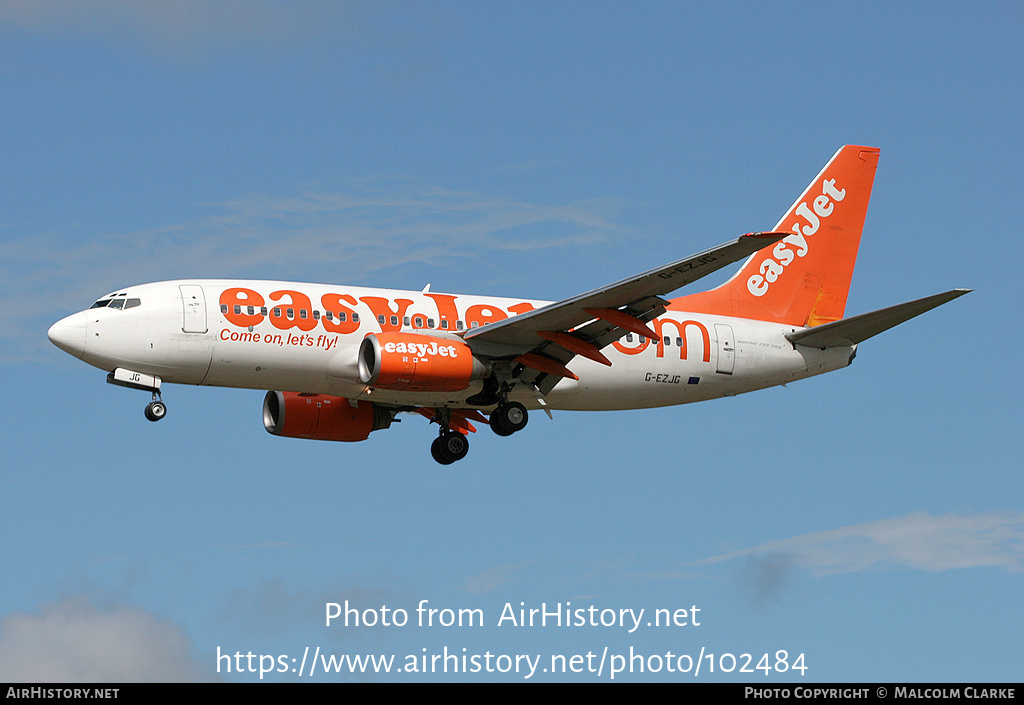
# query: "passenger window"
{"points": [[381, 319], [458, 324], [394, 320], [302, 313], [224, 309], [238, 309]]}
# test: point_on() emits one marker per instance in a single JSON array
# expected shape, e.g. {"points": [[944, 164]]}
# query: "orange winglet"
{"points": [[545, 364], [574, 344], [622, 320]]}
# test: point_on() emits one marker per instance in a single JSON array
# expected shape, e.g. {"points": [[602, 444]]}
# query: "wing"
{"points": [[545, 339]]}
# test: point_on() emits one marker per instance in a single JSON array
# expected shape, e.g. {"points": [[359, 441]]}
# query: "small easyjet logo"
{"points": [[422, 349], [771, 268]]}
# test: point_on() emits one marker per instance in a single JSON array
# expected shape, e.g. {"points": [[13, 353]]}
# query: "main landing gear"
{"points": [[449, 447], [509, 417], [453, 444]]}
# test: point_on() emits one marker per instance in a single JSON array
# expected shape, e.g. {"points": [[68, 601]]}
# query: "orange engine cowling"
{"points": [[418, 363], [321, 417]]}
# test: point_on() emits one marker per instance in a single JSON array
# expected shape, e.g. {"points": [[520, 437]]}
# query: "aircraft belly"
{"points": [[247, 362]]}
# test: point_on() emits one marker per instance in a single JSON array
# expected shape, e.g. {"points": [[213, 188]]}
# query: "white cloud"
{"points": [[181, 26], [919, 541], [491, 579], [73, 641]]}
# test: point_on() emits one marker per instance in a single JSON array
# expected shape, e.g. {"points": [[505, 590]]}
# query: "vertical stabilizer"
{"points": [[804, 279]]}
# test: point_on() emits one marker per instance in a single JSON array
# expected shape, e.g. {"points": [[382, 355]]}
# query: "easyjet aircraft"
{"points": [[353, 358]]}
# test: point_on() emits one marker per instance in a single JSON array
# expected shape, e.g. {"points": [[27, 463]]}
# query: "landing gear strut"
{"points": [[450, 445], [156, 409]]}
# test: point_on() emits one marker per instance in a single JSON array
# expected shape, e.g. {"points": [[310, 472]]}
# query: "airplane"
{"points": [[339, 362]]}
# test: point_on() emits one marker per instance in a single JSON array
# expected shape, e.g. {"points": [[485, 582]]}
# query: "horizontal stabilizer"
{"points": [[853, 330]]}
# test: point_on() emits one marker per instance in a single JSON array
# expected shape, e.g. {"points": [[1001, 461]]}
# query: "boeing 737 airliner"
{"points": [[340, 362]]}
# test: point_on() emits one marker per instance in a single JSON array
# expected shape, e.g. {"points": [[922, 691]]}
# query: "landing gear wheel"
{"points": [[508, 418], [498, 428], [449, 447], [156, 410]]}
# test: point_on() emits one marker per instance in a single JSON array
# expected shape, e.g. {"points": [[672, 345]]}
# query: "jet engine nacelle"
{"points": [[418, 363], [321, 417]]}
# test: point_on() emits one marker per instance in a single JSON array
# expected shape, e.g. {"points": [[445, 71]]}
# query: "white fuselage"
{"points": [[279, 336]]}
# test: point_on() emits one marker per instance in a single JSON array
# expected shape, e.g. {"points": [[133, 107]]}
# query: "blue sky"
{"points": [[871, 519]]}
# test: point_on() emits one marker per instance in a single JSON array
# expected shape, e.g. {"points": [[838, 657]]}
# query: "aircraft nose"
{"points": [[68, 334]]}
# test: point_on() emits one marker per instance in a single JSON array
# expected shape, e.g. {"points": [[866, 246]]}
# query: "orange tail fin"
{"points": [[804, 279]]}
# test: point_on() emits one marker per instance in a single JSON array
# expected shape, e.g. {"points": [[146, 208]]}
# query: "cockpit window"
{"points": [[115, 301]]}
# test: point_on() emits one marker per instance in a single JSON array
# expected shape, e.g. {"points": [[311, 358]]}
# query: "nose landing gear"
{"points": [[156, 409]]}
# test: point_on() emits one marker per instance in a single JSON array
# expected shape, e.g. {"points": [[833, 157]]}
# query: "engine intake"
{"points": [[322, 417], [418, 363]]}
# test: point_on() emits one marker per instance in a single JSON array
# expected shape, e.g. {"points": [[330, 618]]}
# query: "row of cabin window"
{"points": [[642, 339], [408, 321]]}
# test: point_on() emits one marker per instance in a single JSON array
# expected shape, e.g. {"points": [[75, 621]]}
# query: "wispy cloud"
{"points": [[492, 578], [362, 230], [74, 641], [919, 541], [182, 27]]}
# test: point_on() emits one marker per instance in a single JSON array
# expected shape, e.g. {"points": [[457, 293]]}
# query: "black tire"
{"points": [[510, 416], [436, 453], [449, 447], [156, 410], [498, 428]]}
